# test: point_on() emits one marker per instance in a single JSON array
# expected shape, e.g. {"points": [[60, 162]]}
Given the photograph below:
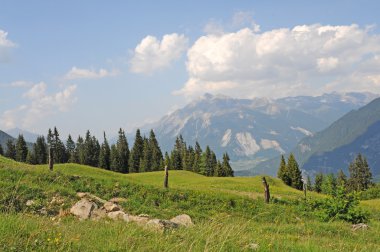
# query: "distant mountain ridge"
{"points": [[253, 130], [4, 137], [28, 136]]}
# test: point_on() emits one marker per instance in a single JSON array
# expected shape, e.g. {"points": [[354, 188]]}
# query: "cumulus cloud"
{"points": [[39, 105], [81, 73], [5, 45], [303, 60], [151, 54], [17, 84]]}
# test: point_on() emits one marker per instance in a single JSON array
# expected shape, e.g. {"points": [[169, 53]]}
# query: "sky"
{"points": [[102, 65]]}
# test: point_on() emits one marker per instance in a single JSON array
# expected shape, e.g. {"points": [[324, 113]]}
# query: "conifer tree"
{"points": [[283, 172], [226, 166], [1, 150], [294, 172], [91, 149], [30, 157], [341, 179], [80, 150], [219, 171], [136, 153], [105, 154], [157, 158], [11, 149], [59, 148], [177, 154], [40, 150], [167, 161], [309, 186], [146, 161], [21, 149], [318, 182], [114, 159], [329, 184], [197, 158], [70, 149], [123, 152], [190, 158], [213, 164], [360, 174], [206, 162]]}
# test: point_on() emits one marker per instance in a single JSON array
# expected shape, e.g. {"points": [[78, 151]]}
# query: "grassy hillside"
{"points": [[229, 213]]}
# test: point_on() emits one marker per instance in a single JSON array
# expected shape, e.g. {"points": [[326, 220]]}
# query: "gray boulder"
{"points": [[83, 208], [161, 225], [183, 220]]}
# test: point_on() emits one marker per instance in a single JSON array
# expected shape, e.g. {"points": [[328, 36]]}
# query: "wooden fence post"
{"points": [[166, 181], [51, 158], [266, 190]]}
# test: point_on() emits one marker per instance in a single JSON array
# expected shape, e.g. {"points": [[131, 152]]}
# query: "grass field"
{"points": [[229, 213]]}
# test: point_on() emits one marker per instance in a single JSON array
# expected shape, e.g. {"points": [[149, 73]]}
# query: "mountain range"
{"points": [[253, 130]]}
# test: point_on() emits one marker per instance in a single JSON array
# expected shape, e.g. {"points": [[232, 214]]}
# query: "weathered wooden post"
{"points": [[304, 186], [166, 181], [51, 158], [266, 190]]}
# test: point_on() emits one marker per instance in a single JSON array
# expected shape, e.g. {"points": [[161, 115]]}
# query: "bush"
{"points": [[371, 193], [342, 206]]}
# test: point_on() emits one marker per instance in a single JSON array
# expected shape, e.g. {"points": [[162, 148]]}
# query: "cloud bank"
{"points": [[303, 60], [152, 54], [81, 73], [5, 45]]}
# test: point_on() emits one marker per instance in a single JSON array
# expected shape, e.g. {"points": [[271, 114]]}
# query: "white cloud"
{"points": [[81, 73], [304, 60], [17, 84], [40, 105], [151, 54], [5, 45]]}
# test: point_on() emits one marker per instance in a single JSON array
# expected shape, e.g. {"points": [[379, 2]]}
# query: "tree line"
{"points": [[359, 179], [144, 156]]}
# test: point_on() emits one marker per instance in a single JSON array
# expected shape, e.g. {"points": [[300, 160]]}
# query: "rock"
{"points": [[30, 203], [98, 214], [111, 207], [138, 219], [83, 208], [43, 211], [57, 201], [161, 225], [183, 220], [359, 226], [144, 215], [81, 194], [253, 246], [117, 215], [118, 200]]}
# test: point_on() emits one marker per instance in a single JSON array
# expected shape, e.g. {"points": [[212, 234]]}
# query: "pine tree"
{"points": [[318, 182], [190, 159], [177, 153], [40, 150], [105, 154], [360, 174], [197, 158], [70, 149], [11, 149], [80, 150], [21, 149], [114, 159], [294, 172], [146, 161], [283, 172], [157, 158], [136, 153], [226, 166], [59, 148], [213, 164], [207, 163], [341, 179], [329, 184], [219, 171], [167, 161], [123, 152], [30, 157], [1, 150]]}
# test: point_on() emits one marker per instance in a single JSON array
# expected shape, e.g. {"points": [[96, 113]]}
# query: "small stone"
{"points": [[161, 225], [183, 220], [138, 219], [111, 207], [118, 200], [81, 194], [359, 226], [83, 208], [117, 215], [30, 203]]}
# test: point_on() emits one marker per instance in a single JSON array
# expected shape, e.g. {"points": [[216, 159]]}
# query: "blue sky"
{"points": [[101, 65]]}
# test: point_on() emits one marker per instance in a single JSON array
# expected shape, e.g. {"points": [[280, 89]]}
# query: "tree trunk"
{"points": [[266, 190], [51, 158], [166, 181]]}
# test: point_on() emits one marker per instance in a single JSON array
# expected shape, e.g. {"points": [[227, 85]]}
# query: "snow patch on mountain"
{"points": [[303, 131], [304, 148], [247, 144], [271, 144], [226, 138], [206, 120]]}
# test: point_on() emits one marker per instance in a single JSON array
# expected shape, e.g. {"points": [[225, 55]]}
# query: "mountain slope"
{"points": [[253, 130], [28, 136], [4, 137]]}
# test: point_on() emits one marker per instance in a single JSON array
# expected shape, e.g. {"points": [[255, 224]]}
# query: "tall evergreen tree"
{"points": [[1, 150], [21, 149], [157, 157], [167, 161], [123, 152], [360, 174], [213, 164], [40, 150], [206, 162], [197, 158], [294, 172], [70, 150], [11, 149], [80, 152], [105, 154], [30, 157], [219, 171], [114, 159], [177, 154], [318, 182], [341, 179], [283, 172], [59, 148], [226, 166], [136, 153], [146, 161], [329, 184]]}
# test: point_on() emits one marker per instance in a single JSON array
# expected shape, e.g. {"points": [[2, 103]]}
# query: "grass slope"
{"points": [[229, 213]]}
